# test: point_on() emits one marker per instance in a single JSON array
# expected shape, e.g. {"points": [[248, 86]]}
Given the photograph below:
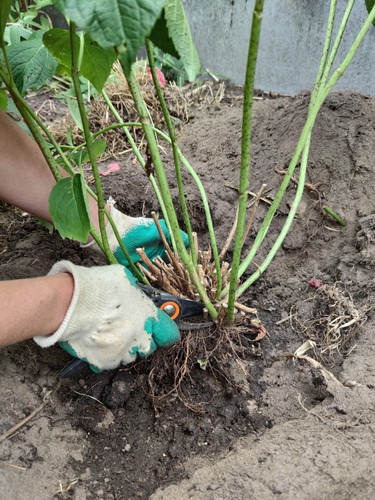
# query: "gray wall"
{"points": [[291, 43]]}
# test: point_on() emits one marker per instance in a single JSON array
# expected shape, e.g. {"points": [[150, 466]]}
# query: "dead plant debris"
{"points": [[180, 101], [215, 347], [330, 319]]}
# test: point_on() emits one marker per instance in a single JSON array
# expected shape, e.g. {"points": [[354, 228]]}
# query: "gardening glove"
{"points": [[109, 320], [138, 232]]}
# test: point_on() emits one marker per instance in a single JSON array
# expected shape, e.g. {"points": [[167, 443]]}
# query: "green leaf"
{"points": [[69, 209], [74, 111], [160, 37], [115, 23], [79, 157], [15, 32], [3, 100], [4, 14], [31, 63], [369, 5], [96, 62], [98, 148], [179, 32]]}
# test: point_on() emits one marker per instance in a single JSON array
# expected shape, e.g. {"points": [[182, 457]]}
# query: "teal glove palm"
{"points": [[139, 232], [110, 321]]}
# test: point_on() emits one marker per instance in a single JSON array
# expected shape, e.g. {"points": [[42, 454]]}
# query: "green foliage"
{"points": [[80, 157], [96, 62], [369, 5], [178, 30], [68, 206], [172, 68], [115, 23], [31, 63], [159, 36], [16, 32]]}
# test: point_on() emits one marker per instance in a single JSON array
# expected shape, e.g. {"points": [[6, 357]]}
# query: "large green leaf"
{"points": [[160, 37], [179, 33], [68, 206], [4, 14], [369, 5], [96, 62], [31, 63], [115, 23]]}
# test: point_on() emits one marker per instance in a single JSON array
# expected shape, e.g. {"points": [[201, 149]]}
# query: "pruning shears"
{"points": [[177, 309]]}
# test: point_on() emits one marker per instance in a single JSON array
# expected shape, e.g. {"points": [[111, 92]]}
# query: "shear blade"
{"points": [[186, 325]]}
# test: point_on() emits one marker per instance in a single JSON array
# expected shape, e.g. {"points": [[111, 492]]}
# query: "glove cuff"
{"points": [[62, 267]]}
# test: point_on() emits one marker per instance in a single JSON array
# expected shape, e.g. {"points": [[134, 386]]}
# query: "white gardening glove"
{"points": [[110, 320]]}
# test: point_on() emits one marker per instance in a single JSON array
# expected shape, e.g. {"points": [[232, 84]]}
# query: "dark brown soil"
{"points": [[106, 431]]}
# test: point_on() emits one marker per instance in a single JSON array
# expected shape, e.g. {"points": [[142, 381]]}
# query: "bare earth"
{"points": [[276, 428]]}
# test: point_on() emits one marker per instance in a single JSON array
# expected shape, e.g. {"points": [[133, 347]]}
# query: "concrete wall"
{"points": [[291, 43]]}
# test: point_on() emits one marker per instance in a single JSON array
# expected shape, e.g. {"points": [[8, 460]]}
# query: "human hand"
{"points": [[138, 232], [110, 321]]}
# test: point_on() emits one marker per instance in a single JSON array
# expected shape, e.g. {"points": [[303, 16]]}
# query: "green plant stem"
{"points": [[140, 159], [335, 216], [88, 138], [245, 152], [301, 181], [186, 164], [176, 157], [319, 99], [327, 44], [289, 220], [337, 42], [7, 64], [202, 192], [164, 188]]}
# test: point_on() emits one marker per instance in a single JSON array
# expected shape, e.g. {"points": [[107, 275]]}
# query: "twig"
{"points": [[310, 187], [281, 321], [246, 309], [24, 421], [251, 193], [88, 396], [230, 237], [170, 254], [253, 210], [309, 411]]}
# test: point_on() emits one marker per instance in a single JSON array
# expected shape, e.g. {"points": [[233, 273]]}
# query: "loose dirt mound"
{"points": [[104, 431]]}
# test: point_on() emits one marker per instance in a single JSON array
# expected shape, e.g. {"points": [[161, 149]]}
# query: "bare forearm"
{"points": [[35, 306], [26, 180]]}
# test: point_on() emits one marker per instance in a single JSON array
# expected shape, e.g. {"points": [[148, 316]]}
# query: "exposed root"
{"points": [[215, 349], [330, 319]]}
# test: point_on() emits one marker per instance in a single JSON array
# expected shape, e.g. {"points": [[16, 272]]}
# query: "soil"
{"points": [[274, 426]]}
